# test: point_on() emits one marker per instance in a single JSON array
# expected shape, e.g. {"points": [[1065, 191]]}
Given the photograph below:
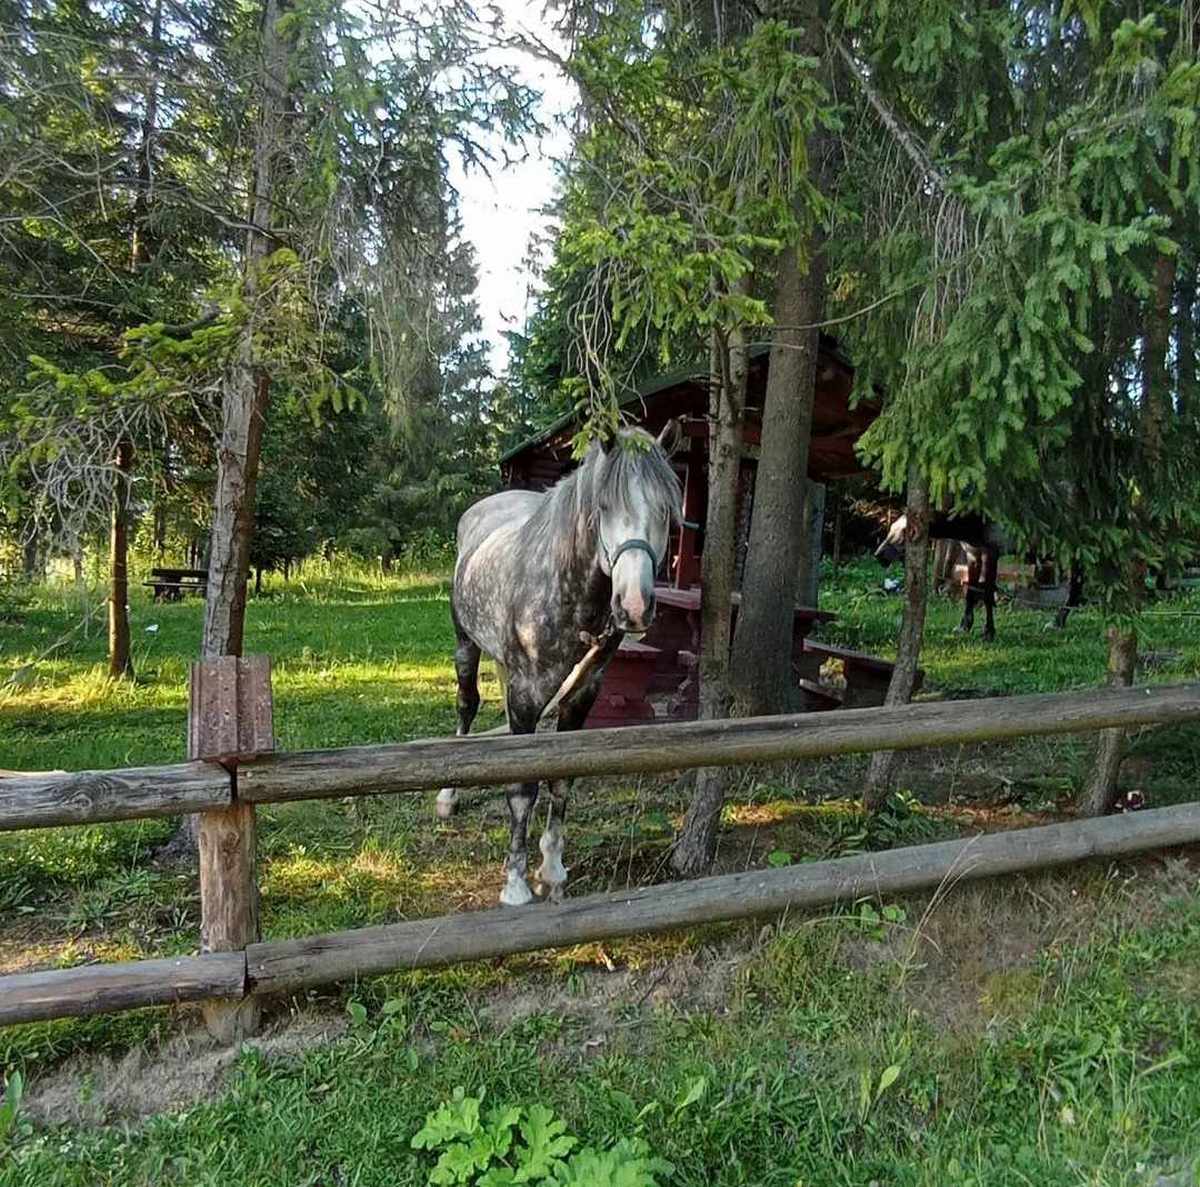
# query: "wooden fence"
{"points": [[227, 779]]}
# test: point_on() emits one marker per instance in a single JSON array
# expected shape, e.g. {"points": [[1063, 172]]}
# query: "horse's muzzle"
{"points": [[634, 623]]}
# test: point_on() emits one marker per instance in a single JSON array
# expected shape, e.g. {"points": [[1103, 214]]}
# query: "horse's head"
{"points": [[637, 498], [892, 548]]}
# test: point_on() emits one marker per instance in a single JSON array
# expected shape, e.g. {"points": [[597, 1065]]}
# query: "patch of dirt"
{"points": [[699, 980], [968, 960], [150, 1080]]}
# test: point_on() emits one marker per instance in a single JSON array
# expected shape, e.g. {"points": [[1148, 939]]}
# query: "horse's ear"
{"points": [[671, 436]]}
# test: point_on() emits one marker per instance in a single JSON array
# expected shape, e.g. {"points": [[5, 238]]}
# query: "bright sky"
{"points": [[500, 215]]}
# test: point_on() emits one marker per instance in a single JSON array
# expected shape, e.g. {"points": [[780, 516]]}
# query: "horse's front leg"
{"points": [[553, 874], [991, 567], [522, 719], [970, 595], [521, 800]]}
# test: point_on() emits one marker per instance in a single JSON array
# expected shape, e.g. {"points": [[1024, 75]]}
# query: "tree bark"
{"points": [[697, 841], [139, 252], [120, 660], [762, 650], [32, 560], [882, 770], [248, 385], [1189, 404], [839, 507], [247, 389], [808, 572], [1101, 790]]}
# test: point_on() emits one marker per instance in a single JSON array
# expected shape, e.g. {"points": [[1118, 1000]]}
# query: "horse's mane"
{"points": [[634, 466]]}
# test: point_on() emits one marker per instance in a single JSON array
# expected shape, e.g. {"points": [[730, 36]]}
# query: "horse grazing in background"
{"points": [[984, 542], [542, 581]]}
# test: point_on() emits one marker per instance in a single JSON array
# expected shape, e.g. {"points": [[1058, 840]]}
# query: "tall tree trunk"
{"points": [[226, 838], [839, 498], [697, 840], [32, 564], [160, 530], [762, 651], [808, 571], [120, 661], [779, 530], [140, 248], [1189, 403], [1101, 790], [248, 384], [881, 773]]}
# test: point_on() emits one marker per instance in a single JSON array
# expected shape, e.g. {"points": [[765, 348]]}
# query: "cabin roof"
{"points": [[694, 373]]}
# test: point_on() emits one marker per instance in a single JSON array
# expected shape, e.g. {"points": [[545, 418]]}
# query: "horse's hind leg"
{"points": [[522, 719], [466, 668]]}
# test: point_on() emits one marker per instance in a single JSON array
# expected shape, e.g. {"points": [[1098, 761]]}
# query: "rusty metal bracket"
{"points": [[230, 709]]}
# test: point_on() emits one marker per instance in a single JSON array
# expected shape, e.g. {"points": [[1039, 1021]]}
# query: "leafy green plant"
{"points": [[870, 1092], [509, 1144], [874, 922], [10, 1107]]}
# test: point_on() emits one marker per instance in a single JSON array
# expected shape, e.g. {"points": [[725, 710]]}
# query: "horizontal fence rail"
{"points": [[89, 796], [134, 793], [630, 750], [289, 965], [101, 988]]}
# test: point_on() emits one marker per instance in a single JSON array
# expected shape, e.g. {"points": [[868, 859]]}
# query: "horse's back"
{"points": [[507, 509]]}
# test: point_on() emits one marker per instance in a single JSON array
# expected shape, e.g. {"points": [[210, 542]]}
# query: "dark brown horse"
{"points": [[984, 542]]}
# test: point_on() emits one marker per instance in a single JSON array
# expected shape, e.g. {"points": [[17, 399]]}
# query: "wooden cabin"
{"points": [[542, 460], [657, 678]]}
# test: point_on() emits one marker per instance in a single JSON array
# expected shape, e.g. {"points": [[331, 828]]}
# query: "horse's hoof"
{"points": [[555, 893], [447, 801], [989, 636], [516, 892]]}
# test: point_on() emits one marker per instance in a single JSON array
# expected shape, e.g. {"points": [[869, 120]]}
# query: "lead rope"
{"points": [[580, 672]]}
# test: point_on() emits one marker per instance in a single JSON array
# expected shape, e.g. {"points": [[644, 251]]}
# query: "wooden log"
{"points": [[84, 797], [230, 718], [229, 908], [476, 762], [100, 988], [289, 965]]}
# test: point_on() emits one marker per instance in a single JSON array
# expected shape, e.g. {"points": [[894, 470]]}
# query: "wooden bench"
{"points": [[170, 585], [623, 699], [867, 676]]}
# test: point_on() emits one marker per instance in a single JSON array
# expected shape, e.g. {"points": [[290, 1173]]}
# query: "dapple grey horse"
{"points": [[539, 578]]}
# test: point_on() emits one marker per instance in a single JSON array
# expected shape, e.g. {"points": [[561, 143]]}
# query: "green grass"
{"points": [[1044, 1030]]}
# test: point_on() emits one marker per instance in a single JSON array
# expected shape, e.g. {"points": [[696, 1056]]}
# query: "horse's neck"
{"points": [[584, 590], [968, 528]]}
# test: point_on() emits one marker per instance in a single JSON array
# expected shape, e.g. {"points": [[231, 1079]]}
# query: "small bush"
{"points": [[509, 1144]]}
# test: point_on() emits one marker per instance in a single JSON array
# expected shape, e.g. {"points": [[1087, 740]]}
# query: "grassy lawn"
{"points": [[1040, 1031]]}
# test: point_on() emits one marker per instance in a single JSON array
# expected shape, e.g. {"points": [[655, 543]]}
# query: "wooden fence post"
{"points": [[230, 718]]}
